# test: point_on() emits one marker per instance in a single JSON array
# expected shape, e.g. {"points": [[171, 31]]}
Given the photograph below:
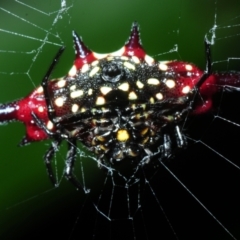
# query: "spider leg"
{"points": [[71, 157], [48, 159], [44, 84], [55, 135], [208, 70], [180, 138]]}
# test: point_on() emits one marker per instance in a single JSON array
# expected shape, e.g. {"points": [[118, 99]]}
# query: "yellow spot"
{"points": [[163, 67], [94, 63], [59, 101], [170, 83], [99, 55], [132, 153], [76, 94], [136, 59], [122, 135], [124, 87], [188, 67], [73, 87], [129, 65], [186, 89], [151, 100], [73, 71], [100, 138], [100, 101], [132, 96], [144, 131], [83, 109], [149, 60], [118, 52], [85, 68], [153, 81], [40, 90], [159, 96], [50, 125], [90, 91], [75, 108], [145, 140], [139, 84], [104, 148], [61, 83], [94, 71], [40, 109], [105, 90]]}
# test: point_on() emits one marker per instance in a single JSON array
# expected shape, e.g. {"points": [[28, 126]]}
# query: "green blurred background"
{"points": [[28, 202]]}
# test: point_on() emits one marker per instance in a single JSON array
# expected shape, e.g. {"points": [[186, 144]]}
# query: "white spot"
{"points": [[139, 84], [40, 109], [94, 63], [132, 96], [73, 87], [170, 83], [40, 90], [118, 52], [129, 65], [61, 83], [76, 94], [99, 55], [59, 101], [153, 81], [124, 87], [110, 58], [93, 110], [136, 59], [90, 91], [186, 89], [75, 108], [100, 101], [50, 125], [151, 100], [188, 67], [94, 71], [124, 58], [73, 71], [159, 96], [149, 60], [105, 90], [84, 68], [163, 67], [133, 106]]}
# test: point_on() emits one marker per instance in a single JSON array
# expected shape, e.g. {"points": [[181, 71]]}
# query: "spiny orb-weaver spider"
{"points": [[124, 106]]}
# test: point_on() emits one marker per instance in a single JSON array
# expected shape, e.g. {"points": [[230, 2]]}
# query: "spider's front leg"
{"points": [[58, 135]]}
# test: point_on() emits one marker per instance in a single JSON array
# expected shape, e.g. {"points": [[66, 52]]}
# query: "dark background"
{"points": [[30, 206]]}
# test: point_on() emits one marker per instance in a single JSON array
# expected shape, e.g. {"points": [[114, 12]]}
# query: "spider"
{"points": [[124, 106]]}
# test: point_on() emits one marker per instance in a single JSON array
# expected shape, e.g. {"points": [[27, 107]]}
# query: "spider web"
{"points": [[194, 195]]}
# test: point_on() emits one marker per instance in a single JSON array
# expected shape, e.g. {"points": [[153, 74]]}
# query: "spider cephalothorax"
{"points": [[122, 105]]}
